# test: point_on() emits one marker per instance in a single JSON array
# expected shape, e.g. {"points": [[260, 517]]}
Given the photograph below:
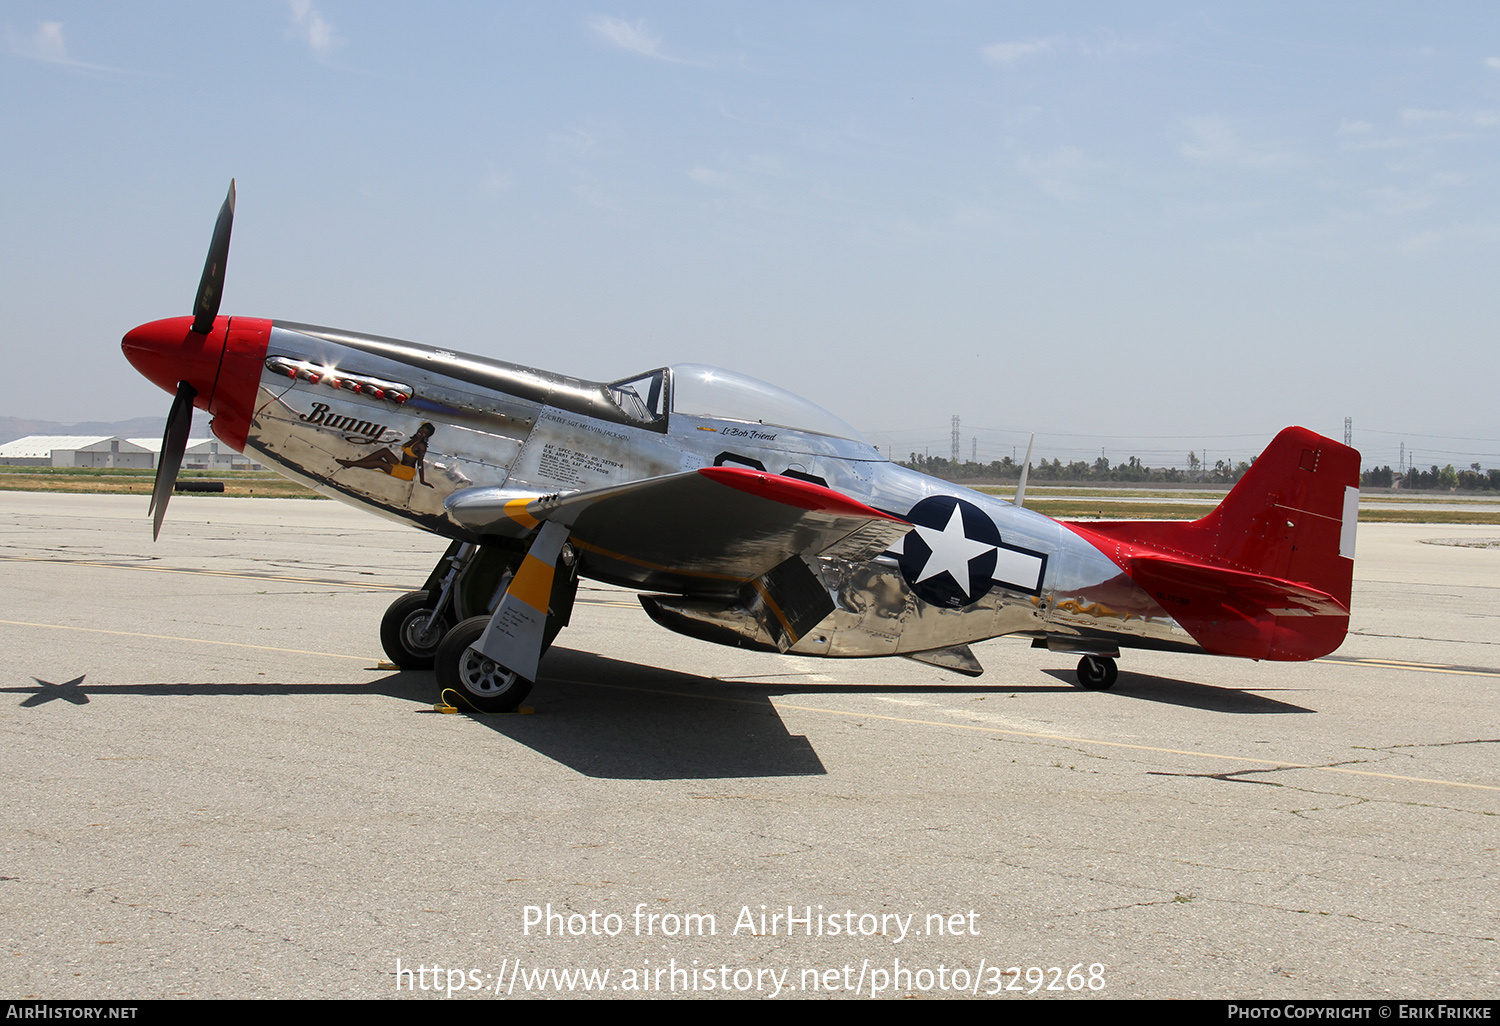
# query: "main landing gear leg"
{"points": [[1097, 673], [416, 623], [491, 661]]}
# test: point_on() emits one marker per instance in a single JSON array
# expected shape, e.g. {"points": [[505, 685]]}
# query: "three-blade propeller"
{"points": [[180, 419]]}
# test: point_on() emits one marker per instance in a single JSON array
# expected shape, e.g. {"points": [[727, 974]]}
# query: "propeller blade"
{"points": [[211, 286], [173, 445]]}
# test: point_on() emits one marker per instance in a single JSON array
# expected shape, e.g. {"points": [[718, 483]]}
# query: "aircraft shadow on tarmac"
{"points": [[612, 718], [1190, 694], [602, 717], [413, 686], [616, 719]]}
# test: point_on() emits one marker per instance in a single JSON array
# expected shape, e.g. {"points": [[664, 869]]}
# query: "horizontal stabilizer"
{"points": [[1230, 612], [1268, 593]]}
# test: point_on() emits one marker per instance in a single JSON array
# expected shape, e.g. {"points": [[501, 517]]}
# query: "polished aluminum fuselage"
{"points": [[531, 432]]}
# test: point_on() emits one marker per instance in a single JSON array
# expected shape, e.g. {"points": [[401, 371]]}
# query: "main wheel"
{"points": [[1097, 673], [410, 634], [478, 679]]}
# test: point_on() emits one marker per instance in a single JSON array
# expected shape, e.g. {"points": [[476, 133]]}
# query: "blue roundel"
{"points": [[949, 557]]}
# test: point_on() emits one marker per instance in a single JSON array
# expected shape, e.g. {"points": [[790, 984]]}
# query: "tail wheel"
{"points": [[410, 633], [1097, 673], [479, 680]]}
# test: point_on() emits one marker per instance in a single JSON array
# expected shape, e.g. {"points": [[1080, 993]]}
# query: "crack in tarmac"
{"points": [[1353, 799], [1190, 898], [1422, 637], [1438, 744]]}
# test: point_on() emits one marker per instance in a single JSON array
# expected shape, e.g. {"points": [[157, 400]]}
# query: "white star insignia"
{"points": [[951, 551]]}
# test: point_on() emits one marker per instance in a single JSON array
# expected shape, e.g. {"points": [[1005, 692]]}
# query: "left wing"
{"points": [[707, 530]]}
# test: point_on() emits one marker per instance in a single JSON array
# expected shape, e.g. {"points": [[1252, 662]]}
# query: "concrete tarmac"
{"points": [[210, 790]]}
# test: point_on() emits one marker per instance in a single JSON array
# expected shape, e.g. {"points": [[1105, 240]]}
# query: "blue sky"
{"points": [[1141, 228]]}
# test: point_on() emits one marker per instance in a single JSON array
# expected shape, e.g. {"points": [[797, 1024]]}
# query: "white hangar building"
{"points": [[76, 451]]}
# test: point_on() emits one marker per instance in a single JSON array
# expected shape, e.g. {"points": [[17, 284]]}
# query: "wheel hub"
{"points": [[422, 632], [483, 676]]}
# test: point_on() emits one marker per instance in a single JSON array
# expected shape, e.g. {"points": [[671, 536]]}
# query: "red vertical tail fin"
{"points": [[1268, 573]]}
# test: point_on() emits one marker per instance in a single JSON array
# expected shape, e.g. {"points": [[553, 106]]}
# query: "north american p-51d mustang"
{"points": [[744, 515]]}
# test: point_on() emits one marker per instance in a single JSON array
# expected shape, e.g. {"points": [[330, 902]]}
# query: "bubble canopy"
{"points": [[702, 391]]}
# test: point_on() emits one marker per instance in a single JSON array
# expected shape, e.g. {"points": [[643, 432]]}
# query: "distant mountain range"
{"points": [[12, 428]]}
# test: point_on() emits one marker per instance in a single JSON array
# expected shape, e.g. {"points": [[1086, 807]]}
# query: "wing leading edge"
{"points": [[704, 531]]}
